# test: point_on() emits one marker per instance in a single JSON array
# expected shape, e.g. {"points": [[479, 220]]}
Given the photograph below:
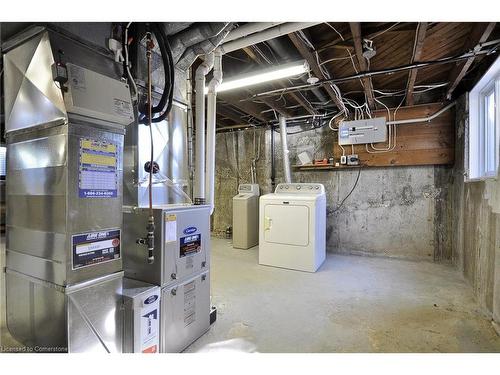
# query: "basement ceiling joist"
{"points": [[337, 48]]}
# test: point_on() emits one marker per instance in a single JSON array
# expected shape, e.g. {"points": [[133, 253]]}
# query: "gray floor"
{"points": [[352, 304]]}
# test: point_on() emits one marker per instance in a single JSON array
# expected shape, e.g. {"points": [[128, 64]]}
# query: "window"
{"points": [[484, 125]]}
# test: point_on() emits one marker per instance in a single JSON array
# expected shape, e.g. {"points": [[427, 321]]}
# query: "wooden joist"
{"points": [[417, 53], [313, 64], [358, 48], [268, 101], [479, 34], [248, 107]]}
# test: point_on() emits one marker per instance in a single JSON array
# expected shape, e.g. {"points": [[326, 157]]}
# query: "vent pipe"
{"points": [[259, 37], [284, 149], [211, 124], [199, 177]]}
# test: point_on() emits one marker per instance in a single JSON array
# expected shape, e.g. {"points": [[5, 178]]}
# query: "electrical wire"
{"points": [[348, 195]]}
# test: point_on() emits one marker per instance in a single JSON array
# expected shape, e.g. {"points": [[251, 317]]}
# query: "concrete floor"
{"points": [[352, 304]]}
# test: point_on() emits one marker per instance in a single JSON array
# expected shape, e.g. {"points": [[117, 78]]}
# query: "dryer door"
{"points": [[286, 224]]}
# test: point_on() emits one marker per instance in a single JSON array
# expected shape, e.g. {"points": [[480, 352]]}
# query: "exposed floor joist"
{"points": [[248, 107], [479, 34], [278, 108], [417, 53], [313, 64], [358, 48]]}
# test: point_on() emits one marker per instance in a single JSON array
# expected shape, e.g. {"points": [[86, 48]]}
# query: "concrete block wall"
{"points": [[402, 212]]}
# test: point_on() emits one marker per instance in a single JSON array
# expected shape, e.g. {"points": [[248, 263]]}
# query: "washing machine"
{"points": [[292, 227], [246, 216]]}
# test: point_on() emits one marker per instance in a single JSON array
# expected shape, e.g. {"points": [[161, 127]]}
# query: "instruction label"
{"points": [[170, 228], [189, 303], [95, 247], [98, 177], [189, 245], [77, 77], [122, 107], [150, 331]]}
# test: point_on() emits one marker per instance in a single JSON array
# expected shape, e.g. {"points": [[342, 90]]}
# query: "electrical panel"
{"points": [[363, 131]]}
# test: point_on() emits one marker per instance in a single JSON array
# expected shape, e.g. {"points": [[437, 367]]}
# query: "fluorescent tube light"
{"points": [[266, 75]]}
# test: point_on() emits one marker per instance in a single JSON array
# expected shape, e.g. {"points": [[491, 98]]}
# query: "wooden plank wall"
{"points": [[424, 143]]}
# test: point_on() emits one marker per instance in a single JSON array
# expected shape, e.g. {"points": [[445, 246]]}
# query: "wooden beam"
{"points": [[282, 110], [313, 64], [271, 103], [417, 53], [479, 34], [307, 106], [225, 112], [358, 47], [248, 107]]}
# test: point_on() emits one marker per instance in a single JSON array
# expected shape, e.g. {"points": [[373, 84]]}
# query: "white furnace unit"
{"points": [[246, 216], [292, 227]]}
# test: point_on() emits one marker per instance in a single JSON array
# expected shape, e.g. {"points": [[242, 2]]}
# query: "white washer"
{"points": [[292, 227], [246, 216]]}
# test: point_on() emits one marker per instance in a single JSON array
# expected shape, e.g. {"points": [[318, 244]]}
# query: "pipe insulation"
{"points": [[250, 28], [211, 124], [199, 173], [284, 149], [259, 37], [204, 47]]}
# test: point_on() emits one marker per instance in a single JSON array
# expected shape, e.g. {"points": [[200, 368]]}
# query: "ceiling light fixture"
{"points": [[266, 75]]}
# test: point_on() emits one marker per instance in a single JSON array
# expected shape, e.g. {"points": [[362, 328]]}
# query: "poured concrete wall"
{"points": [[476, 226], [399, 212]]}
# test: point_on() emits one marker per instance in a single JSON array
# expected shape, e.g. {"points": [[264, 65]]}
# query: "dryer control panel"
{"points": [[300, 188]]}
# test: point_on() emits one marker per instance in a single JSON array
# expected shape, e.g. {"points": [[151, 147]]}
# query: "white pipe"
{"points": [[271, 33], [284, 149], [422, 119], [211, 123], [199, 173], [249, 28]]}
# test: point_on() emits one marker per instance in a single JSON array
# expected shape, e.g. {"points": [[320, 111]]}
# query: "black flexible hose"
{"points": [[165, 104]]}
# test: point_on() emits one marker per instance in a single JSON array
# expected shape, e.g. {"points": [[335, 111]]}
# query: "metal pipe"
{"points": [[260, 37], [284, 149], [273, 168], [199, 177], [190, 135], [211, 124], [373, 73], [250, 28], [422, 119]]}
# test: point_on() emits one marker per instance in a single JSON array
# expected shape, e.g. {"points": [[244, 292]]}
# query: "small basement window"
{"points": [[484, 125]]}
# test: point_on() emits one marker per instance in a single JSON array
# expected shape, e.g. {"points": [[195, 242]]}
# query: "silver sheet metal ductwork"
{"points": [[197, 41]]}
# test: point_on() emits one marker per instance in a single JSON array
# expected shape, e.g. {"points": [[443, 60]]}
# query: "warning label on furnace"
{"points": [[190, 245], [98, 176], [95, 247], [189, 303]]}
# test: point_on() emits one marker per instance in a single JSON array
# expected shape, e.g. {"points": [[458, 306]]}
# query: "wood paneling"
{"points": [[423, 143]]}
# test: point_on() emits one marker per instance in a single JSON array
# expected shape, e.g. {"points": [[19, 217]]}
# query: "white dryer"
{"points": [[292, 227]]}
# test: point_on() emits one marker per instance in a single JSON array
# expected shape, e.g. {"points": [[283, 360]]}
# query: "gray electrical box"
{"points": [[363, 131]]}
